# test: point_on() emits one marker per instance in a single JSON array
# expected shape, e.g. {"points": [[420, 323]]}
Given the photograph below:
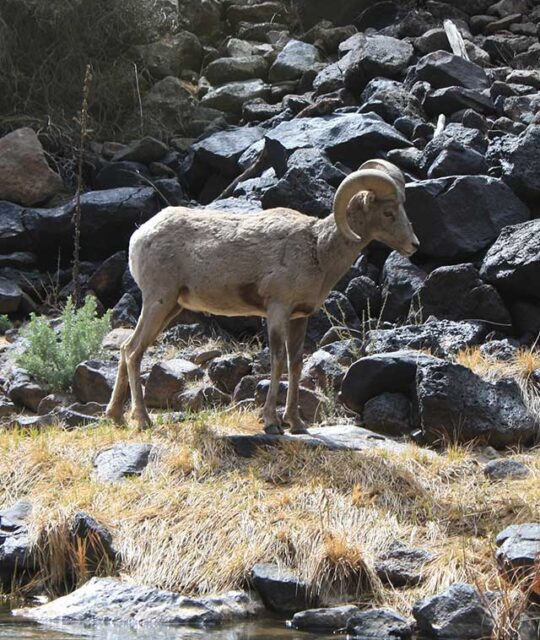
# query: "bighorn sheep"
{"points": [[279, 264]]}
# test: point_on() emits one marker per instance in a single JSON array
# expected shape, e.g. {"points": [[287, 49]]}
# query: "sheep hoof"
{"points": [[142, 421], [274, 430], [298, 430], [116, 416]]}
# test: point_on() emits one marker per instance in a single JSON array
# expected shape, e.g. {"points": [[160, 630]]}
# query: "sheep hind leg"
{"points": [[155, 316], [295, 347], [278, 321]]}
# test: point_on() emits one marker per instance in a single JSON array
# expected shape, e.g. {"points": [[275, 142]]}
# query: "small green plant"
{"points": [[5, 324], [52, 356]]}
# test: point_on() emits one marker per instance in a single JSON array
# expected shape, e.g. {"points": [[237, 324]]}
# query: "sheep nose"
{"points": [[415, 244]]}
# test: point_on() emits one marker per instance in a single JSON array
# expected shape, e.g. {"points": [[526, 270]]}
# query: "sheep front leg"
{"points": [[115, 408], [278, 322], [295, 348]]}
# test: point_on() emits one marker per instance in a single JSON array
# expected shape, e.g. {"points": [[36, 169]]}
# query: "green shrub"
{"points": [[5, 324], [51, 357]]}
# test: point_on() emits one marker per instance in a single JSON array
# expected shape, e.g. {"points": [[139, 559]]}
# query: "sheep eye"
{"points": [[388, 213]]}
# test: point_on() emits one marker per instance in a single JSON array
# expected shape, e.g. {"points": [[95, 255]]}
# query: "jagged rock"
{"points": [[24, 391], [227, 371], [443, 69], [234, 69], [374, 375], [389, 414], [455, 217], [316, 165], [231, 97], [53, 401], [122, 460], [310, 402], [95, 541], [455, 403], [512, 264], [144, 150], [167, 379], [199, 398], [365, 297], [299, 191], [106, 281], [280, 589], [453, 99], [345, 351], [109, 600], [506, 469], [401, 280], [93, 381], [25, 176], [172, 54], [125, 312], [350, 138], [293, 60], [442, 338], [332, 619], [501, 350], [402, 566], [10, 296], [259, 12], [114, 175], [13, 233], [336, 311], [455, 160], [458, 612], [379, 624], [518, 550], [222, 150], [378, 56], [456, 292], [16, 559], [322, 370], [453, 136]]}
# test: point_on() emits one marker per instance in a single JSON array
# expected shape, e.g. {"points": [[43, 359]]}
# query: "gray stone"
{"points": [[452, 99], [501, 350], [231, 97], [512, 264], [299, 191], [455, 217], [293, 60], [167, 379], [443, 69], [322, 370], [401, 280], [506, 469], [454, 403], [13, 233], [93, 381], [344, 351], [24, 391], [389, 414], [280, 589], [458, 612], [365, 297], [379, 624], [402, 566], [199, 398], [172, 54], [225, 70], [222, 150], [145, 150], [10, 296], [374, 375], [518, 551], [378, 56], [443, 337], [310, 402], [125, 312], [227, 371], [111, 601], [121, 461], [332, 619], [16, 558]]}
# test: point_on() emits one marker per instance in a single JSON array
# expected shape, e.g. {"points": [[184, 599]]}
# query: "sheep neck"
{"points": [[335, 252]]}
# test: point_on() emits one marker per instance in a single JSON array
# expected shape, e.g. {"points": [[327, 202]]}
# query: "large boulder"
{"points": [[280, 589], [456, 292], [231, 97], [443, 337], [389, 413], [521, 165], [225, 70], [443, 69], [172, 54], [293, 60], [512, 264], [351, 138], [377, 56], [458, 612], [455, 403], [222, 150], [109, 600], [93, 381], [167, 379], [401, 280], [455, 217], [375, 375], [299, 191], [25, 176]]}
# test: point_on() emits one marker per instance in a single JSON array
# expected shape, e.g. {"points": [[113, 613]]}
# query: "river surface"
{"points": [[14, 628]]}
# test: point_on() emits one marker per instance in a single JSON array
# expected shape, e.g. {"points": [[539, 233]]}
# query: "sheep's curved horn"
{"points": [[382, 185], [387, 167]]}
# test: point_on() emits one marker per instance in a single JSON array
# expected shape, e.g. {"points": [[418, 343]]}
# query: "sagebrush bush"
{"points": [[5, 324], [52, 356]]}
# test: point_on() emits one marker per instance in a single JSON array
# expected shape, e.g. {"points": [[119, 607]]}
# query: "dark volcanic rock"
{"points": [[321, 369], [122, 460], [401, 280], [442, 69], [13, 233], [452, 99], [222, 150], [506, 469], [402, 566], [455, 217], [227, 371], [24, 391], [521, 164], [378, 56], [280, 589], [294, 59], [442, 337], [166, 379], [94, 539], [111, 601], [332, 619], [455, 403], [225, 70], [512, 264], [93, 381], [351, 138], [389, 413], [106, 281], [458, 612], [10, 296], [374, 375], [299, 191], [15, 549], [365, 297], [456, 292], [379, 624], [519, 548]]}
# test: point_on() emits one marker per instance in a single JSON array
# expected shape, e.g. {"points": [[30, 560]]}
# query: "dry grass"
{"points": [[200, 517]]}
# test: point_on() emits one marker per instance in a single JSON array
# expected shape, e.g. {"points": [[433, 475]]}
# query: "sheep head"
{"points": [[370, 205]]}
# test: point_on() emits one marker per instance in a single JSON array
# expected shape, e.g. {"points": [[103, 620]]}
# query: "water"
{"points": [[12, 628]]}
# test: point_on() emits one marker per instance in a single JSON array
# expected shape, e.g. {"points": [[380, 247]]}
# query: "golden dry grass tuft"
{"points": [[199, 517]]}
